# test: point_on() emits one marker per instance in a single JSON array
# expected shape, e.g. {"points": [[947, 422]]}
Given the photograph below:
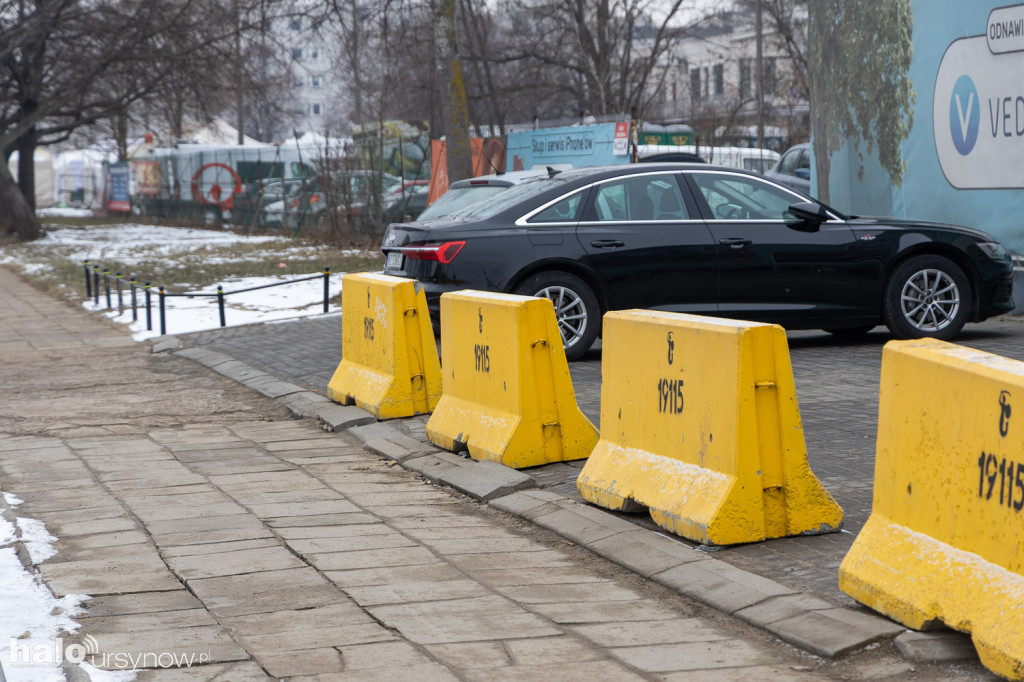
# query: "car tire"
{"points": [[927, 295], [576, 308]]}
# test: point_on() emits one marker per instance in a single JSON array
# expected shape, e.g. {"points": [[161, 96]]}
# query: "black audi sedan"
{"points": [[707, 240]]}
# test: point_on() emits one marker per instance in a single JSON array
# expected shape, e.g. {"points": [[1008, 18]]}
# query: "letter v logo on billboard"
{"points": [[978, 107], [964, 115]]}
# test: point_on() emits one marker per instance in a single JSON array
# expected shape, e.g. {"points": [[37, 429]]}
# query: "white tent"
{"points": [[78, 177], [216, 131], [43, 161]]}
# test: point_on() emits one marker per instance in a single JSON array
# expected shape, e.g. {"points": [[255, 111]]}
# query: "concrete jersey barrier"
{"points": [[945, 539], [507, 393], [699, 423], [389, 365]]}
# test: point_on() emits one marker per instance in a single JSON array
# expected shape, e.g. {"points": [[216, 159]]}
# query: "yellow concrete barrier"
{"points": [[508, 396], [389, 364], [945, 539], [699, 423]]}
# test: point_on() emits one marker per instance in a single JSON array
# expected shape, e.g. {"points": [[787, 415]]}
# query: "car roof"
{"points": [[672, 156], [594, 173], [500, 179], [598, 172]]}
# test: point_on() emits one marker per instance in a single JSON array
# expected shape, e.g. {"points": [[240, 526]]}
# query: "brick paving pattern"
{"points": [[837, 388], [206, 523]]}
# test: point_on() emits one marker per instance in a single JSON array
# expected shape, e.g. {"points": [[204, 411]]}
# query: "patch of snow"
{"points": [[149, 245], [31, 616], [37, 539], [187, 314], [59, 212], [137, 244]]}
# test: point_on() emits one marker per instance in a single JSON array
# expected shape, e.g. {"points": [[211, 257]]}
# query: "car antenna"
{"points": [[552, 172]]}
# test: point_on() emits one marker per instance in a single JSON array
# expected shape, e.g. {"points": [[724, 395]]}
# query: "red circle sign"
{"points": [[208, 185]]}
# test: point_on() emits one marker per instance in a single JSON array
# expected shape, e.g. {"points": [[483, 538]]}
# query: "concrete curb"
{"points": [[302, 402], [800, 619]]}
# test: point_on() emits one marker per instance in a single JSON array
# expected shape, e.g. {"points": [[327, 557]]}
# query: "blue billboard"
{"points": [[963, 155], [578, 146]]}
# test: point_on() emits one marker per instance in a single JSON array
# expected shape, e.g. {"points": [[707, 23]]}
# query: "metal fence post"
{"points": [[149, 310], [106, 285], [327, 288], [88, 282], [95, 286], [220, 304], [163, 313], [135, 310], [120, 298]]}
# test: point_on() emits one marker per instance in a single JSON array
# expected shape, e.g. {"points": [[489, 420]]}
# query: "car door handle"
{"points": [[735, 242], [607, 243]]}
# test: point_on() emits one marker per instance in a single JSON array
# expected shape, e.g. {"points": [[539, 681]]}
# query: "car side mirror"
{"points": [[803, 173], [807, 215]]}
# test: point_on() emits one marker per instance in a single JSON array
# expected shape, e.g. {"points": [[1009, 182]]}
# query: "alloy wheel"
{"points": [[930, 300], [570, 312]]}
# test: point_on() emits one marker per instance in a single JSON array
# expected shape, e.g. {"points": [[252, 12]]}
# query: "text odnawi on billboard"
{"points": [[978, 105]]}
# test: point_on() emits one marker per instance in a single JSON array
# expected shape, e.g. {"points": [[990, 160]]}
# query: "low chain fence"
{"points": [[101, 284]]}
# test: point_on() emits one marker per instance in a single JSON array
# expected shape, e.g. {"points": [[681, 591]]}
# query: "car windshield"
{"points": [[389, 183], [758, 165], [510, 197], [456, 199]]}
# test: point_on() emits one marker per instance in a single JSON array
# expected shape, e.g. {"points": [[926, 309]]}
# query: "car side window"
{"points": [[790, 162], [564, 210], [640, 198], [805, 160], [737, 197]]}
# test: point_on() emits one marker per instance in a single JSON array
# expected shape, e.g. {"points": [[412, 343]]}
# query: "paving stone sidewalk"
{"points": [[207, 523], [837, 387]]}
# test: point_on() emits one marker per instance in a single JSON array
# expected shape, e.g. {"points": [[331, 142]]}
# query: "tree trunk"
{"points": [[819, 58], [17, 219], [27, 167], [822, 158], [121, 134], [456, 129]]}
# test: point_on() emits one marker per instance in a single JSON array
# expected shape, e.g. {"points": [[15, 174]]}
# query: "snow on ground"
{"points": [[149, 245], [137, 245], [32, 619], [64, 212], [191, 314]]}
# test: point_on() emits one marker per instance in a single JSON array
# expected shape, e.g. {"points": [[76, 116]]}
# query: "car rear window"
{"points": [[510, 197], [456, 199]]}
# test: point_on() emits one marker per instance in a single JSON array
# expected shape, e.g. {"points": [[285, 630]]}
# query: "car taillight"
{"points": [[442, 253]]}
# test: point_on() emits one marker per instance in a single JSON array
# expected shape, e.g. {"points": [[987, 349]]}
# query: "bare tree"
{"points": [[605, 52], [785, 23], [66, 64]]}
